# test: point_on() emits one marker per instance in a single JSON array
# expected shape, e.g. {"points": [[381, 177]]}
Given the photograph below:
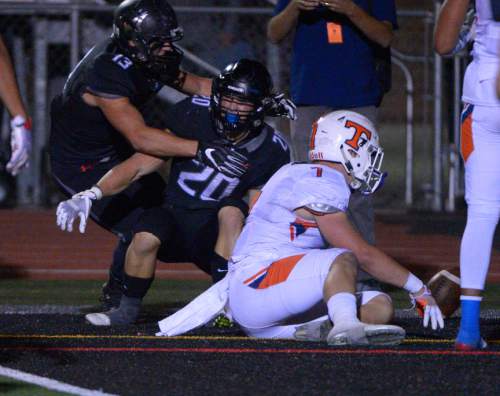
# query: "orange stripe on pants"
{"points": [[466, 141], [279, 271], [246, 282]]}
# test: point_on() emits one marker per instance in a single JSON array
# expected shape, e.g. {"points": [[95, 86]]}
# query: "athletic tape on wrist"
{"points": [[97, 191], [17, 121], [413, 284]]}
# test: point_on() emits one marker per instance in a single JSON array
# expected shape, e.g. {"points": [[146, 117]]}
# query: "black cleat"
{"points": [[110, 295], [125, 314], [113, 317]]}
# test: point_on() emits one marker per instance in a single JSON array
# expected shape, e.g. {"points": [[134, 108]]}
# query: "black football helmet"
{"points": [[142, 29], [245, 81]]}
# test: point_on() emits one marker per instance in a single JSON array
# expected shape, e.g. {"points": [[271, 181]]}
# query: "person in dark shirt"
{"points": [[203, 210], [96, 123]]}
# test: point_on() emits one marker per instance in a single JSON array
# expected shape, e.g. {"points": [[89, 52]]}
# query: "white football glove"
{"points": [[20, 144], [78, 206], [427, 308]]}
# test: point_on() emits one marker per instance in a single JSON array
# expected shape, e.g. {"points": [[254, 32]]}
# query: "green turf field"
{"points": [[10, 387], [164, 293], [37, 292]]}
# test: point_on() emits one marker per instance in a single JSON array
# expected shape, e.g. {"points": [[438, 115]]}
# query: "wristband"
{"points": [[413, 284], [17, 121], [20, 121], [97, 192]]}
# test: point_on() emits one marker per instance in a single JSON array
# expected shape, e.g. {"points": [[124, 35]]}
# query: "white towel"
{"points": [[207, 306]]}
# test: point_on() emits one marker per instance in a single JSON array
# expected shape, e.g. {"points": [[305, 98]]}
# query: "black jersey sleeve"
{"points": [[111, 76], [279, 156]]}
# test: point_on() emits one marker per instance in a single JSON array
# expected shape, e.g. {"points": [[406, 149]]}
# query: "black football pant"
{"points": [[189, 234], [186, 235]]}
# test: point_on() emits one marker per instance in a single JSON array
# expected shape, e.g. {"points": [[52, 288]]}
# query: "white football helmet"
{"points": [[350, 139]]}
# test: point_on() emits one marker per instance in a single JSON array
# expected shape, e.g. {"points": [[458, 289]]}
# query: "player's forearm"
{"points": [[382, 267], [196, 85], [157, 143], [9, 91], [113, 183], [449, 23], [498, 85], [121, 176], [280, 25], [377, 31]]}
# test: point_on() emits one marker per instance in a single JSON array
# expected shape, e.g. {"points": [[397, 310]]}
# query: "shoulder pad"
{"points": [[322, 208]]}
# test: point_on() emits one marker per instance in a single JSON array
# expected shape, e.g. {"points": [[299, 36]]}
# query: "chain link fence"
{"points": [[47, 39]]}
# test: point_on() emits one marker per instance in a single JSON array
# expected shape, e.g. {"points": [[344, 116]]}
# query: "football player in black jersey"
{"points": [[203, 210], [96, 122]]}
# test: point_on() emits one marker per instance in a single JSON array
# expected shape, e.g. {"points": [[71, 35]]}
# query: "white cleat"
{"points": [[98, 319], [363, 334], [313, 331]]}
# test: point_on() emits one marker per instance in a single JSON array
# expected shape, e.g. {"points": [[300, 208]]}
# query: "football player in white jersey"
{"points": [[293, 270], [480, 147]]}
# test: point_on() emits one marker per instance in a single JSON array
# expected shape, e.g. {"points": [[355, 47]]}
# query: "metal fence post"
{"points": [[409, 131], [25, 180], [438, 127], [454, 171], [40, 108], [75, 37]]}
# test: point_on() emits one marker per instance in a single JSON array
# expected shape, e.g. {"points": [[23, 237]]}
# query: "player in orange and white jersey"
{"points": [[297, 257], [480, 147]]}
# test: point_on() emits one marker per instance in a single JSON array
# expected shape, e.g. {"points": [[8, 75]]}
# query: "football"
{"points": [[445, 288]]}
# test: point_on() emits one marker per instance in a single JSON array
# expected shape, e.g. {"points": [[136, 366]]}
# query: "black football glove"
{"points": [[222, 156], [279, 106]]}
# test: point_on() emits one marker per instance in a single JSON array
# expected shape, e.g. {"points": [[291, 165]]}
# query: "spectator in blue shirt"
{"points": [[333, 68], [333, 64]]}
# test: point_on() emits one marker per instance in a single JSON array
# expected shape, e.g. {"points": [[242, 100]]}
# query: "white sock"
{"points": [[475, 248], [342, 308]]}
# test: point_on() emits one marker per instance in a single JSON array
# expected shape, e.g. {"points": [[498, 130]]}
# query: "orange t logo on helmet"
{"points": [[360, 131], [313, 135]]}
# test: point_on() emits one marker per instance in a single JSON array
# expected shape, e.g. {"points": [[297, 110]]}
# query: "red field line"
{"points": [[251, 350]]}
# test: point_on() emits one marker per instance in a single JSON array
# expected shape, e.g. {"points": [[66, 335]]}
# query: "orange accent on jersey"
{"points": [[360, 130], [279, 271], [313, 135], [334, 31], [319, 171], [299, 226], [466, 140], [306, 223]]}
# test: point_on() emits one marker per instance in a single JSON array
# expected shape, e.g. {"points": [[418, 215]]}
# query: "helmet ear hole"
{"points": [[353, 153]]}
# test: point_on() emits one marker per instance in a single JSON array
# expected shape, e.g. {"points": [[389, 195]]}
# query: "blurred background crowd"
{"points": [[418, 118]]}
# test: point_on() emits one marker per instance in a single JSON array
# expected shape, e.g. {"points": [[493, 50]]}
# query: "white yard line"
{"points": [[50, 383], [48, 309]]}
